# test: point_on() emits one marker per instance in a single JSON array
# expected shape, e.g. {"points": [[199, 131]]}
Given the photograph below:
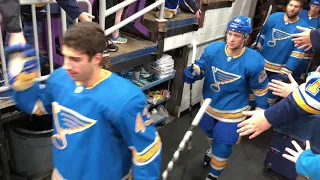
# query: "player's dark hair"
{"points": [[86, 37], [300, 1]]}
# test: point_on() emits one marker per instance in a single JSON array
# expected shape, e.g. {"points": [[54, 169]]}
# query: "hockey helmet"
{"points": [[240, 24], [315, 2]]}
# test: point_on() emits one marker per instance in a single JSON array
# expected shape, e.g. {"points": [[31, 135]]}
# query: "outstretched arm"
{"points": [[302, 102], [74, 11], [10, 12], [307, 163], [23, 71]]}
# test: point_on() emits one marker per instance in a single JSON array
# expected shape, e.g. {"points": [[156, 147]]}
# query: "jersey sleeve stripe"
{"points": [[148, 154], [302, 103], [260, 92], [297, 54], [273, 66], [308, 55], [272, 101]]}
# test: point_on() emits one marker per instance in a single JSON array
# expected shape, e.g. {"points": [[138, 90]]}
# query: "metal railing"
{"points": [[103, 13], [36, 38]]}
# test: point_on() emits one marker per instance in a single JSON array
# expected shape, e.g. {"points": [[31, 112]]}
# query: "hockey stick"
{"points": [[194, 48], [193, 58], [186, 137], [194, 52], [259, 35]]}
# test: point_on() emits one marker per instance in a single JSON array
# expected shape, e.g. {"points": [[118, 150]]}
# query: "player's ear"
{"points": [[246, 37], [97, 58]]}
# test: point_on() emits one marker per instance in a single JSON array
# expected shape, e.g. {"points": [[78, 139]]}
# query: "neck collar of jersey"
{"points": [[287, 20], [106, 76], [242, 51]]}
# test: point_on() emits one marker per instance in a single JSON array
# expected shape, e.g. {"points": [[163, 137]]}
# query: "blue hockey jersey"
{"points": [[277, 46], [314, 22], [228, 81], [304, 101], [100, 132]]}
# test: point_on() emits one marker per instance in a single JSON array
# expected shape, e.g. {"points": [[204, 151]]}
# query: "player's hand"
{"points": [[198, 14], [302, 40], [22, 66], [254, 125], [258, 48], [190, 75], [283, 89], [17, 38], [86, 17], [306, 47], [294, 155]]}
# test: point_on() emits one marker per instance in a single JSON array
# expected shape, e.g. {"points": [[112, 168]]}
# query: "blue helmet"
{"points": [[240, 24], [315, 2]]}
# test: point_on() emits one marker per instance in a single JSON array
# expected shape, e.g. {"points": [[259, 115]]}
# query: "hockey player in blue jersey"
{"points": [[313, 20], [231, 71], [276, 45], [303, 101], [312, 16], [102, 129]]}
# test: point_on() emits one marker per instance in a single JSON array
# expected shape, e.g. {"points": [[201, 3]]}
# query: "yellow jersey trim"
{"points": [[302, 104], [242, 51]]}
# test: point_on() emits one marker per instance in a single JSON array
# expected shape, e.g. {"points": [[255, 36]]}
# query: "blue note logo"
{"points": [[221, 77], [278, 35], [67, 122]]}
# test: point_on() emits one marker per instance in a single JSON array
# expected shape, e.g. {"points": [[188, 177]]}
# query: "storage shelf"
{"points": [[6, 102], [160, 120], [157, 82], [134, 48], [157, 103]]}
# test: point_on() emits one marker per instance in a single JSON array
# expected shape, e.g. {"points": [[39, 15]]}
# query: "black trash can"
{"points": [[30, 146]]}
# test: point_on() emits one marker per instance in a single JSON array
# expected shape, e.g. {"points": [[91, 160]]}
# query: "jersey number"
{"points": [[314, 88]]}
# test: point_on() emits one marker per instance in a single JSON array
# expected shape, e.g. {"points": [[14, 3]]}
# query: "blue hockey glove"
{"points": [[190, 75], [22, 66]]}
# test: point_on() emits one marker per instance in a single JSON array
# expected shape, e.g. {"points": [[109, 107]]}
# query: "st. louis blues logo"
{"points": [[221, 77], [278, 35], [67, 122]]}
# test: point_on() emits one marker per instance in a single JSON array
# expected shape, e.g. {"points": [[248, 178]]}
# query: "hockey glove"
{"points": [[22, 66], [192, 74]]}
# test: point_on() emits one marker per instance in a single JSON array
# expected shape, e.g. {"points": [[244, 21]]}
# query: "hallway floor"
{"points": [[246, 162]]}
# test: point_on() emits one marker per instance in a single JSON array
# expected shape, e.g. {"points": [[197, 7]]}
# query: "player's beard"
{"points": [[293, 16]]}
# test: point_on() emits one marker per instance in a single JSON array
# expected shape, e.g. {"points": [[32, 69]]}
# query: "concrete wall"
{"points": [[214, 27], [214, 24]]}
